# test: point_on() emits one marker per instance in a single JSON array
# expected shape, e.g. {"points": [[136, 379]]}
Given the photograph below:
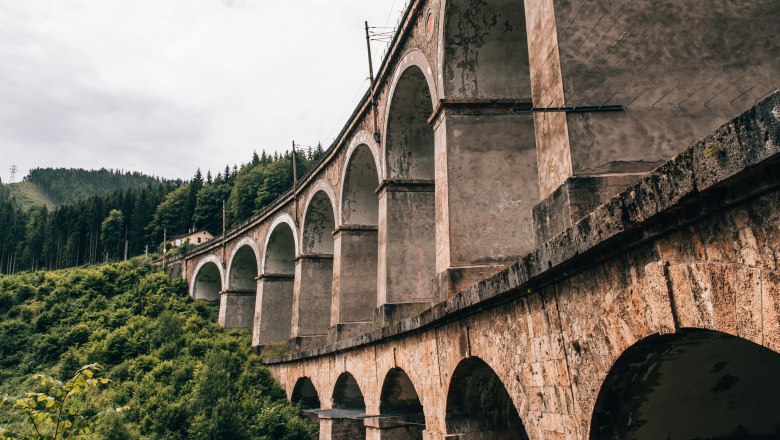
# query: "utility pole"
{"points": [[224, 230], [377, 138], [165, 243], [295, 182]]}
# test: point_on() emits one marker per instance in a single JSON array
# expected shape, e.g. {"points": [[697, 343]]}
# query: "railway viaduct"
{"points": [[547, 219]]}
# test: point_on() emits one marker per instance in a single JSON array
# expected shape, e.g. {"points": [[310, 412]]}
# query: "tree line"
{"points": [[128, 222]]}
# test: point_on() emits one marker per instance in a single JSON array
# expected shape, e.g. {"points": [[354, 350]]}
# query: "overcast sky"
{"points": [[167, 86]]}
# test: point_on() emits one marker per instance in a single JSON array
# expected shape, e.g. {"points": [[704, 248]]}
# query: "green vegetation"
{"points": [[28, 195], [70, 185], [177, 373], [56, 413]]}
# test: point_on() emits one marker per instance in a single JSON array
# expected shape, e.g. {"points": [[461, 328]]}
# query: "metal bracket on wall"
{"points": [[576, 109]]}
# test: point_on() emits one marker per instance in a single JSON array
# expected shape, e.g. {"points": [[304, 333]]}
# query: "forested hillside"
{"points": [[127, 222], [52, 187], [180, 376], [79, 233]]}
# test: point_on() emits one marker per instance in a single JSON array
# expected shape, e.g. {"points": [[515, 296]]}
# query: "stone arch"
{"points": [[483, 50], [305, 394], [408, 137], [279, 220], [273, 310], [694, 383], [313, 286], [478, 404], [360, 179], [207, 279], [407, 228], [319, 221], [355, 248], [240, 268], [348, 399], [237, 302], [402, 413]]}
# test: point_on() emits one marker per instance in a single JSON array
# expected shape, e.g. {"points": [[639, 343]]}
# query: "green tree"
{"points": [[52, 414], [111, 233], [277, 179], [208, 208], [171, 213], [241, 204]]}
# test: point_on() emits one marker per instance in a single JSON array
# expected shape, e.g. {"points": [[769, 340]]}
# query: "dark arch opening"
{"points": [[400, 407], [243, 270], [208, 283], [280, 252], [360, 205], [306, 395], [347, 397], [486, 50], [693, 384], [277, 284], [320, 222], [479, 406], [409, 146]]}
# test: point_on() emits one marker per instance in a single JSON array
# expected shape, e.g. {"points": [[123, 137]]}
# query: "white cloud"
{"points": [[165, 86]]}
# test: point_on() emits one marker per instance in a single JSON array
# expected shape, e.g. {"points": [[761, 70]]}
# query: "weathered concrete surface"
{"points": [[694, 244], [312, 295], [407, 242], [237, 309], [273, 309], [576, 198], [680, 70]]}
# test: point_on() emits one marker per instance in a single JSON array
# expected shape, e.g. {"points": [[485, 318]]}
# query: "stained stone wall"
{"points": [[695, 244]]}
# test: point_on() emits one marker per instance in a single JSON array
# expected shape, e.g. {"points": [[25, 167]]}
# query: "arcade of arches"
{"points": [[479, 258]]}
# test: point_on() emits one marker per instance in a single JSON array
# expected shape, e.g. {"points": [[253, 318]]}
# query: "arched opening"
{"points": [[693, 384], [359, 204], [407, 223], [319, 224], [486, 50], [306, 395], [409, 144], [243, 271], [275, 294], [401, 412], [479, 406], [237, 304], [314, 274], [280, 251], [355, 248], [208, 283], [349, 409]]}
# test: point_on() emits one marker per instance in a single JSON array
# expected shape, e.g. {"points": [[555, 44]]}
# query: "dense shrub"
{"points": [[180, 375]]}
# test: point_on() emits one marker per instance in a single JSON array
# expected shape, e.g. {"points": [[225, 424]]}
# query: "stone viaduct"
{"points": [[547, 219]]}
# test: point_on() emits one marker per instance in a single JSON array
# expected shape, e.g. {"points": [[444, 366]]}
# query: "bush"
{"points": [[179, 374]]}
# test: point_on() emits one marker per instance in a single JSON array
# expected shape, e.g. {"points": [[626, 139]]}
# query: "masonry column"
{"points": [[311, 301], [237, 308], [486, 187], [273, 309], [354, 281], [615, 101], [407, 252]]}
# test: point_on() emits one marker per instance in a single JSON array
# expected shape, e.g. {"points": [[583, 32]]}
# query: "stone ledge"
{"points": [[740, 160]]}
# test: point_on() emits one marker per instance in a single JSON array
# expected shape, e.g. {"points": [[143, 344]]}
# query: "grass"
{"points": [[28, 195]]}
